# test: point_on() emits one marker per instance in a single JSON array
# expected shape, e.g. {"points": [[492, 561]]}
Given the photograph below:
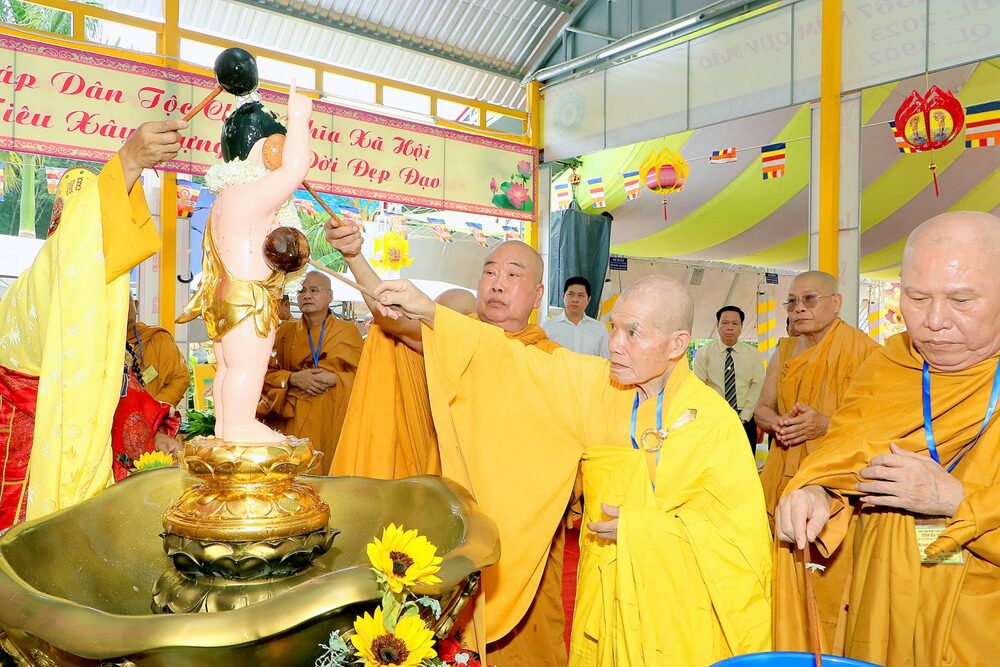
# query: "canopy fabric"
{"points": [[727, 212]]}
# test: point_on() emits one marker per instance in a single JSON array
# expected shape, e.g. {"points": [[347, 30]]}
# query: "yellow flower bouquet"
{"points": [[396, 634]]}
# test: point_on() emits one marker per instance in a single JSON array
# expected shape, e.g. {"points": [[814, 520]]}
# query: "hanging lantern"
{"points": [[931, 121], [664, 173], [573, 180]]}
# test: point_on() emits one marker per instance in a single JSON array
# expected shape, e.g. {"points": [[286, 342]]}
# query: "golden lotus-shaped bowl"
{"points": [[77, 587], [248, 517]]}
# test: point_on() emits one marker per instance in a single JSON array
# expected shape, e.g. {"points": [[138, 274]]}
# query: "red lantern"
{"points": [[929, 122]]}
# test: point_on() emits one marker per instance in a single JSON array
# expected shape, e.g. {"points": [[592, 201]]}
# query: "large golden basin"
{"points": [[76, 587]]}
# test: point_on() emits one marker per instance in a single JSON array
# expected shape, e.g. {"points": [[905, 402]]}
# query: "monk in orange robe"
{"points": [[312, 370], [164, 370], [926, 574], [64, 337], [803, 387], [510, 287], [392, 373]]}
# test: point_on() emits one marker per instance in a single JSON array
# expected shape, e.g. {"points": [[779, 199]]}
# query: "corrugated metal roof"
{"points": [[477, 49]]}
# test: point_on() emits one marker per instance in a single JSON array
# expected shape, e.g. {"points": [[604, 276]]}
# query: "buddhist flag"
{"points": [[187, 197], [596, 186], [52, 176], [476, 228], [512, 233], [982, 125], [772, 160], [633, 186], [441, 229], [898, 138], [723, 155], [563, 195]]}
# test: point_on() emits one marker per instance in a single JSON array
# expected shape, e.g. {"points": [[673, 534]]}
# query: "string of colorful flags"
{"points": [[982, 129]]}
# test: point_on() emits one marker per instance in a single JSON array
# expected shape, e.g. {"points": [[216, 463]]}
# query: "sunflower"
{"points": [[407, 646], [404, 558], [150, 460]]}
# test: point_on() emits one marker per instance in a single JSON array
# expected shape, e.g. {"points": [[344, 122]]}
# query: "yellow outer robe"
{"points": [[902, 613], [291, 410], [159, 350], [64, 321], [688, 581], [391, 373]]}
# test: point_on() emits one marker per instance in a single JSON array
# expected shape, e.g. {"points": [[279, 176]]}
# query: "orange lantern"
{"points": [[664, 173]]}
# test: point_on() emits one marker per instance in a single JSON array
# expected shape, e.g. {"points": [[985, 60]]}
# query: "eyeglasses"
{"points": [[809, 301]]}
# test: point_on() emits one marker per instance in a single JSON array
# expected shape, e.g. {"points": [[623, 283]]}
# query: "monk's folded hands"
{"points": [[912, 482]]}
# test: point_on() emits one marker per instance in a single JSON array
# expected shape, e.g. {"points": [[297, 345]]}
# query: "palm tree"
{"points": [[23, 166]]}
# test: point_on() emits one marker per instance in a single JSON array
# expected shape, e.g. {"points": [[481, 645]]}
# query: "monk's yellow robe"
{"points": [[291, 410], [64, 322], [902, 613], [158, 351], [392, 374], [688, 581], [818, 377]]}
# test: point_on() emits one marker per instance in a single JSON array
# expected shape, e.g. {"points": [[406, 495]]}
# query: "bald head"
{"points": [[974, 231], [650, 332], [510, 286], [460, 300], [318, 279], [821, 280], [673, 307], [949, 298], [521, 252], [813, 304]]}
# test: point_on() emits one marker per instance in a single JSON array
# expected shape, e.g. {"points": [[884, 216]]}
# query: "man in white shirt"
{"points": [[732, 368], [573, 329]]}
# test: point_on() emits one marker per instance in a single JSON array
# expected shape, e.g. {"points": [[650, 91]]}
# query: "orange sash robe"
{"points": [[818, 377], [291, 410], [901, 613]]}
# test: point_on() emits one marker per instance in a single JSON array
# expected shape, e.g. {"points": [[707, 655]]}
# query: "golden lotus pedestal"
{"points": [[89, 585]]}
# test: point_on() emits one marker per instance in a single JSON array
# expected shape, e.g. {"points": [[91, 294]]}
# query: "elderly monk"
{"points": [[802, 388], [312, 370], [675, 553], [164, 371], [67, 348], [806, 384], [917, 443], [392, 374]]}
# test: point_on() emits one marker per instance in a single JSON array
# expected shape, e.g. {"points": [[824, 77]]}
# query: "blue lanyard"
{"points": [[929, 429], [138, 342], [659, 422], [315, 351]]}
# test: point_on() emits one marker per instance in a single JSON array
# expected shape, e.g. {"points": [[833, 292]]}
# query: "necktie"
{"points": [[731, 379]]}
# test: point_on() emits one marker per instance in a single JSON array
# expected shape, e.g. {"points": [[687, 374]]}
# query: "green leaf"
{"points": [[526, 205], [505, 186], [502, 201]]}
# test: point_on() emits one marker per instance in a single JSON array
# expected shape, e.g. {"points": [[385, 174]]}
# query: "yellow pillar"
{"points": [[829, 161], [534, 90], [168, 186]]}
